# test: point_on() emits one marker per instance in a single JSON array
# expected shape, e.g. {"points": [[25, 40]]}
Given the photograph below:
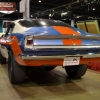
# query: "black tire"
{"points": [[16, 72], [76, 71], [2, 59], [49, 68]]}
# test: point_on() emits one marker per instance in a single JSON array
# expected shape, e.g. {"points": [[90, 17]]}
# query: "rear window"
{"points": [[37, 23]]}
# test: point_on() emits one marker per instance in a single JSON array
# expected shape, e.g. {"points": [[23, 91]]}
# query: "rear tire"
{"points": [[49, 68], [15, 71], [2, 59], [76, 71]]}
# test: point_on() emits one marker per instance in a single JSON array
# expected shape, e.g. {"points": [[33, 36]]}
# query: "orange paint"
{"points": [[15, 46], [16, 50], [69, 31], [58, 62]]}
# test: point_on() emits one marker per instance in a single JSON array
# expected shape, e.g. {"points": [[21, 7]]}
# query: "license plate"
{"points": [[68, 61]]}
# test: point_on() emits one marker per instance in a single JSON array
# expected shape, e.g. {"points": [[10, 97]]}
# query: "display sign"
{"points": [[7, 6], [71, 61]]}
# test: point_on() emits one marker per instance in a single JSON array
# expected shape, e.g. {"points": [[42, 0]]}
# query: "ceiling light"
{"points": [[39, 1], [50, 15], [31, 15], [63, 13], [93, 8]]}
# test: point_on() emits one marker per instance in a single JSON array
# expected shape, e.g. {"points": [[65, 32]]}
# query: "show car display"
{"points": [[47, 43]]}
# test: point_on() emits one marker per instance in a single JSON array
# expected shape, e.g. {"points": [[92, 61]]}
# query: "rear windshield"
{"points": [[37, 23]]}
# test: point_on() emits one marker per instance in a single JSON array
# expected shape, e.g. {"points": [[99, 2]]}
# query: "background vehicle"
{"points": [[47, 43]]}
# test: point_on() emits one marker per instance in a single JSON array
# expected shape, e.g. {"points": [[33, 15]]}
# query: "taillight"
{"points": [[29, 42]]}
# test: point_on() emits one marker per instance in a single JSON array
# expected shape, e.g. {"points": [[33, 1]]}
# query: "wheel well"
{"points": [[9, 49]]}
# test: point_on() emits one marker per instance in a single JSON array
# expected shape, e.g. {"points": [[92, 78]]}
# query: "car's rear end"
{"points": [[52, 50], [49, 43]]}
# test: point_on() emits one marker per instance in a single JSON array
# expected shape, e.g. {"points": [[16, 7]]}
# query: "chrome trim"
{"points": [[66, 47], [55, 37], [57, 57], [73, 36]]}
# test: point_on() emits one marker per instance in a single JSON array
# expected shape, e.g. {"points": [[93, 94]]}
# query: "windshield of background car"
{"points": [[38, 23]]}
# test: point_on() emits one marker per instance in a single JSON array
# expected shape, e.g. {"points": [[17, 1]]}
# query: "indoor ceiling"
{"points": [[61, 8]]}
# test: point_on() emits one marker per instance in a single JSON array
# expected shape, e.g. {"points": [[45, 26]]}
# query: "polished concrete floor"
{"points": [[54, 85]]}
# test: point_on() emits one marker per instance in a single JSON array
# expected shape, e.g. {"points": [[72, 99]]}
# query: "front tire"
{"points": [[16, 73], [2, 59], [76, 71]]}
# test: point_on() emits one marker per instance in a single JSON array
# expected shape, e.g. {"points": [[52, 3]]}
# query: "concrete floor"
{"points": [[53, 85]]}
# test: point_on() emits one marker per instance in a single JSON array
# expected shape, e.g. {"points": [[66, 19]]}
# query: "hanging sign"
{"points": [[7, 6]]}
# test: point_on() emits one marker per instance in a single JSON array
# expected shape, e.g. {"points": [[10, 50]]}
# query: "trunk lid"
{"points": [[60, 37], [54, 36]]}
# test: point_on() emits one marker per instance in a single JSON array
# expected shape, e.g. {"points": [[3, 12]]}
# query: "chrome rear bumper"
{"points": [[28, 57], [73, 47], [77, 48]]}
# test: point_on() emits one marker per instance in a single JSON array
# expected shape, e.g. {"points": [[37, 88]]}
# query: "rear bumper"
{"points": [[55, 57], [60, 52], [53, 60], [24, 60]]}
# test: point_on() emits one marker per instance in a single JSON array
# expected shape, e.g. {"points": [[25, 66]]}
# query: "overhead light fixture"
{"points": [[93, 8], [39, 1], [31, 15], [64, 13], [50, 15]]}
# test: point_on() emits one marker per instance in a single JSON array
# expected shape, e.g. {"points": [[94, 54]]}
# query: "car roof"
{"points": [[35, 19]]}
